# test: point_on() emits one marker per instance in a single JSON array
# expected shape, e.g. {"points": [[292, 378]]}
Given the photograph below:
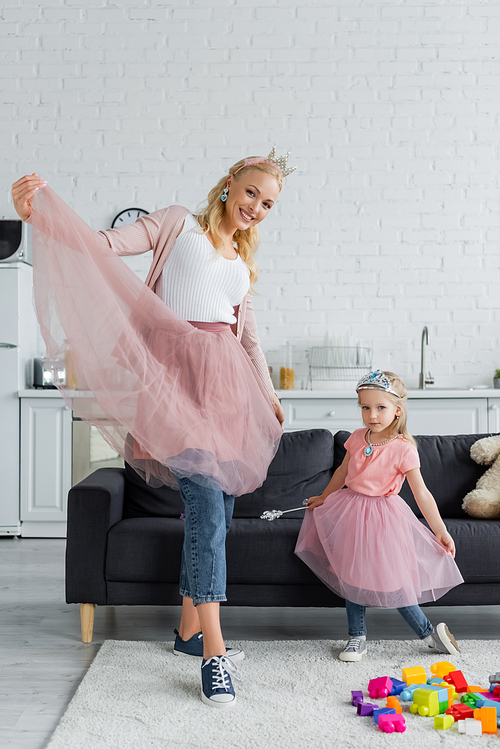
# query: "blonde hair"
{"points": [[398, 426], [247, 241]]}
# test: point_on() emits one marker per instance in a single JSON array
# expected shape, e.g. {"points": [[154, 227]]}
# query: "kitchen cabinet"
{"points": [[46, 450], [429, 412]]}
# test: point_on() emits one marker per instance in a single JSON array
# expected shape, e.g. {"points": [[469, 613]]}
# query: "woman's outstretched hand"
{"points": [[23, 191]]}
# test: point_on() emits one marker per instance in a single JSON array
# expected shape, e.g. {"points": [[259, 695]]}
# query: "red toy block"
{"points": [[457, 679], [379, 687], [496, 691], [460, 711], [392, 722]]}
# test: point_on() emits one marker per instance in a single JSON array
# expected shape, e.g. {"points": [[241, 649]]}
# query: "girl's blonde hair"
{"points": [[399, 424], [247, 241]]}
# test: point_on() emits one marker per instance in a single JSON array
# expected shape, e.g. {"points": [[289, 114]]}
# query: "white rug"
{"points": [[294, 695]]}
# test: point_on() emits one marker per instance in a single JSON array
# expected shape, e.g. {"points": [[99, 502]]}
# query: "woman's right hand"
{"points": [[313, 502], [23, 191]]}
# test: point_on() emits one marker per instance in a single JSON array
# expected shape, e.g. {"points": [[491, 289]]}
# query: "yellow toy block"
{"points": [[442, 722], [442, 668], [488, 718], [394, 703], [414, 675]]}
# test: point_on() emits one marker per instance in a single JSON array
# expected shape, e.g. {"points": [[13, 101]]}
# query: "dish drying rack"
{"points": [[338, 363]]}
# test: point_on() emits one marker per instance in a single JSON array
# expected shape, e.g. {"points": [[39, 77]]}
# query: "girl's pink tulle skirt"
{"points": [[374, 551], [169, 397]]}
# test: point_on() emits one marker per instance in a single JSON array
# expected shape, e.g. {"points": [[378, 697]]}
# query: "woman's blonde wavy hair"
{"points": [[398, 426], [210, 217]]}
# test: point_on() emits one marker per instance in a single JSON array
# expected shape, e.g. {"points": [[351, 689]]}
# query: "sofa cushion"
{"points": [[301, 468], [149, 550], [477, 549], [447, 469]]}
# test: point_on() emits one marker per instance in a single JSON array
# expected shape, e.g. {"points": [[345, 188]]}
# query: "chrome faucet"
{"points": [[424, 379]]}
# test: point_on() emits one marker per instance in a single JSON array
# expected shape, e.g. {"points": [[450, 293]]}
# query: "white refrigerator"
{"points": [[18, 345]]}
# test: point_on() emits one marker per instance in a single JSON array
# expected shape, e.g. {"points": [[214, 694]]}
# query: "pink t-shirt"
{"points": [[382, 473]]}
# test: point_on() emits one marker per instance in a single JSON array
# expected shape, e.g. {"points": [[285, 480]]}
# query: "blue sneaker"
{"points": [[216, 686], [194, 646]]}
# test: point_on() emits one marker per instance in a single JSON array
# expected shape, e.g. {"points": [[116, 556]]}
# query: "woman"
{"points": [[175, 398]]}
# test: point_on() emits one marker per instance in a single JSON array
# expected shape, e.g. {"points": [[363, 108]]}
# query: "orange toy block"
{"points": [[414, 675], [442, 668], [394, 703], [474, 689], [488, 718]]}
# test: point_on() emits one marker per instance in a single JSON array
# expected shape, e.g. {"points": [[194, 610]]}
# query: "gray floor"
{"points": [[43, 659]]}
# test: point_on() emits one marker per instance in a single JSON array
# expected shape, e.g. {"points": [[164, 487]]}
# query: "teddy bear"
{"points": [[484, 500]]}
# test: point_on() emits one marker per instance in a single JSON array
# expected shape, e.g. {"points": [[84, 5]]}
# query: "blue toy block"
{"points": [[382, 711], [357, 697], [397, 687], [407, 694], [434, 680]]}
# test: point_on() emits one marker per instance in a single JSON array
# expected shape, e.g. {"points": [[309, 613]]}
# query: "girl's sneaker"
{"points": [[442, 640], [216, 686], [194, 646], [354, 650]]}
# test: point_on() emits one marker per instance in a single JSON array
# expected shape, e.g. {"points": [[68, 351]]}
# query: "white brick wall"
{"points": [[391, 112]]}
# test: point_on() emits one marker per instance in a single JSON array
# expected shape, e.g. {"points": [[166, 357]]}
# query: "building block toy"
{"points": [[436, 680], [456, 678], [490, 696], [495, 689], [471, 698], [407, 694], [474, 689], [357, 697], [460, 711], [495, 678], [390, 723], [442, 722], [442, 668], [397, 686], [394, 703], [429, 702], [365, 708], [379, 687], [488, 718], [414, 675], [470, 726], [382, 711], [489, 703]]}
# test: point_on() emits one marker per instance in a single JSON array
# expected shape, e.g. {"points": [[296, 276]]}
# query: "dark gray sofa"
{"points": [[125, 539]]}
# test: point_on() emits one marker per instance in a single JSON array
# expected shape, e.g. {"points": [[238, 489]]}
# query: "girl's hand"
{"points": [[278, 409], [22, 193], [447, 541], [313, 502]]}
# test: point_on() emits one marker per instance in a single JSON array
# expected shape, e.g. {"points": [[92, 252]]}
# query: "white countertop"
{"points": [[430, 392], [347, 394]]}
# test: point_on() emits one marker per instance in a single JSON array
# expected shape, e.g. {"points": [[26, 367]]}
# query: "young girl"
{"points": [[363, 541]]}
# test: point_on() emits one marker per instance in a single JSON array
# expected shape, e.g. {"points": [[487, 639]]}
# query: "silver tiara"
{"points": [[281, 162], [376, 381]]}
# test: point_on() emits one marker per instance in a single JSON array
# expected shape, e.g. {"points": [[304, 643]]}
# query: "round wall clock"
{"points": [[128, 216]]}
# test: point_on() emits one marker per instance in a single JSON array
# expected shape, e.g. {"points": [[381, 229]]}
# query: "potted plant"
{"points": [[496, 379]]}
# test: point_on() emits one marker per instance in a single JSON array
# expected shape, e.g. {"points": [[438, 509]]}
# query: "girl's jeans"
{"points": [[413, 615], [208, 514]]}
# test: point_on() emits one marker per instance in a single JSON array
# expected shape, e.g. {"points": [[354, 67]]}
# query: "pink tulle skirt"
{"points": [[169, 396], [374, 551]]}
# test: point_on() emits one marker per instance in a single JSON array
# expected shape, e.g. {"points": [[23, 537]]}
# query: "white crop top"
{"points": [[197, 283]]}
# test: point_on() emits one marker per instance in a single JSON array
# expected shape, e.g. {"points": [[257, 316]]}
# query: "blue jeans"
{"points": [[208, 514], [413, 615]]}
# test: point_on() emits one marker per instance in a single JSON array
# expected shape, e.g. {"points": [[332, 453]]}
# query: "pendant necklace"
{"points": [[369, 449]]}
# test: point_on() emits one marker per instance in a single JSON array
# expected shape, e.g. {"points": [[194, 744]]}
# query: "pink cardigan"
{"points": [[158, 232]]}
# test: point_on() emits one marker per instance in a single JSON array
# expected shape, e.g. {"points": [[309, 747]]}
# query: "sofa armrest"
{"points": [[94, 505]]}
